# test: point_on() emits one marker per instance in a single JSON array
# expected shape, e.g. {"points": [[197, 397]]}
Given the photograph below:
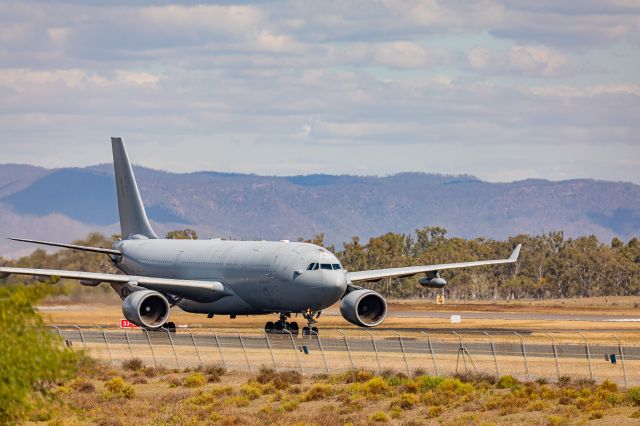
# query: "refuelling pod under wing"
{"points": [[432, 279], [146, 308], [363, 307], [436, 282]]}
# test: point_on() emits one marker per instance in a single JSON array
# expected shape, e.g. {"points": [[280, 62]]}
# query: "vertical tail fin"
{"points": [[133, 218]]}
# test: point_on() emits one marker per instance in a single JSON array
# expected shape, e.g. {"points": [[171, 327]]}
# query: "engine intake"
{"points": [[146, 308], [363, 307]]}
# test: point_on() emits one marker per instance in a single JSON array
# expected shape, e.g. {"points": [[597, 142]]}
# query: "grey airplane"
{"points": [[225, 277]]}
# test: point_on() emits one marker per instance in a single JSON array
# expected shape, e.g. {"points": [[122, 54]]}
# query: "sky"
{"points": [[500, 89]]}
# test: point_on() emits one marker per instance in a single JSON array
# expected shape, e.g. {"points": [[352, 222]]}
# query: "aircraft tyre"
{"points": [[170, 326], [293, 328], [269, 327]]}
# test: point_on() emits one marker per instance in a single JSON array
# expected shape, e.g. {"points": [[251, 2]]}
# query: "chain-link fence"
{"points": [[529, 356]]}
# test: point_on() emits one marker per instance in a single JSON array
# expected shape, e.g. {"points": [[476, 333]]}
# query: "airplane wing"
{"points": [[378, 274], [191, 289]]}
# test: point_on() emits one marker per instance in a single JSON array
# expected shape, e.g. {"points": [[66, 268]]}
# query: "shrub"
{"points": [[133, 364], [239, 401], [434, 411], [507, 382], [194, 380], [608, 386], [633, 395], [251, 390], [30, 355], [81, 385], [376, 386], [426, 383], [317, 391], [405, 401], [455, 386], [554, 420], [217, 368], [476, 377], [289, 404], [379, 417], [118, 388], [280, 380], [356, 376]]}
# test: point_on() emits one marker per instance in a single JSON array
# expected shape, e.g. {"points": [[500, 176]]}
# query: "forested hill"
{"points": [[64, 204]]}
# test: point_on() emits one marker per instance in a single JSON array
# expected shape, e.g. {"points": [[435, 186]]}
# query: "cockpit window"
{"points": [[336, 266], [312, 267], [325, 266]]}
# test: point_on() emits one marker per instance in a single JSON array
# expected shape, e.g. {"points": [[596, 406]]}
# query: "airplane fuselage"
{"points": [[259, 277]]}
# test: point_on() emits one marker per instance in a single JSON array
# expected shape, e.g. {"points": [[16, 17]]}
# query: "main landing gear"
{"points": [[282, 326]]}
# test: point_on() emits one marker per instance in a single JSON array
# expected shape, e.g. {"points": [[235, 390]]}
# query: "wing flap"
{"points": [[403, 272]]}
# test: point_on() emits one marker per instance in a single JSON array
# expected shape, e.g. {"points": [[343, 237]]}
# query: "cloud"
{"points": [[360, 86], [527, 60]]}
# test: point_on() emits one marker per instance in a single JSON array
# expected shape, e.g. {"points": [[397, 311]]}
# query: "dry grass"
{"points": [[103, 395]]}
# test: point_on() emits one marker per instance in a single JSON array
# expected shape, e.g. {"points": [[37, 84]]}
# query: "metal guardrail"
{"points": [[542, 356]]}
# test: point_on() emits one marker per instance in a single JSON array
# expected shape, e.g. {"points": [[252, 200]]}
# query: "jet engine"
{"points": [[363, 307], [146, 308]]}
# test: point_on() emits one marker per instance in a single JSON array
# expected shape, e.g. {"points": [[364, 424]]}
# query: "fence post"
{"points": [[58, 330], [324, 358], [104, 336], [126, 336], [173, 347], [493, 351], [193, 339], [524, 354], [375, 349], [555, 354], [295, 351], [215, 335], [273, 358], [588, 351], [404, 354], [346, 343], [153, 355], [246, 357], [433, 356], [624, 368], [84, 344]]}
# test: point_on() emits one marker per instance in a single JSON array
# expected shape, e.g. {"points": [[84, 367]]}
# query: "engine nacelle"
{"points": [[435, 282], [365, 308], [146, 308]]}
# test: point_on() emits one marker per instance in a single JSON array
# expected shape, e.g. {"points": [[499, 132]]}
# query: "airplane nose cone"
{"points": [[326, 289]]}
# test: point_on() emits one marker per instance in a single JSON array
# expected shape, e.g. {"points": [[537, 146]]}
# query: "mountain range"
{"points": [[67, 203]]}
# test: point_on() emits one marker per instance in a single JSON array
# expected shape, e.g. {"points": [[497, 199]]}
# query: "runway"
{"points": [[526, 316]]}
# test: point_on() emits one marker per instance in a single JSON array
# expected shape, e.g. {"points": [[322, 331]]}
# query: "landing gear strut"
{"points": [[311, 318], [282, 325]]}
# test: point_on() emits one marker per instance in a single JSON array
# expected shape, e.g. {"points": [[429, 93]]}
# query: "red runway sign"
{"points": [[127, 324]]}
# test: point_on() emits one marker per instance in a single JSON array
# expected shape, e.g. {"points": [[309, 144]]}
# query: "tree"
{"points": [[183, 234]]}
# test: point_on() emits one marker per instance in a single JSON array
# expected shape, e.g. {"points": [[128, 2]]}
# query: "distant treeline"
{"points": [[550, 265]]}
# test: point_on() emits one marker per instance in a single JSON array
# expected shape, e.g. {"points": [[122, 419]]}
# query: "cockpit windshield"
{"points": [[328, 266]]}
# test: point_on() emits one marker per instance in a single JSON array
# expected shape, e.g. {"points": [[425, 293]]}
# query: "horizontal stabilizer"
{"points": [[69, 246]]}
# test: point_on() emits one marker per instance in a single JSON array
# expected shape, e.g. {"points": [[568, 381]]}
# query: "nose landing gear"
{"points": [[312, 318], [282, 326]]}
